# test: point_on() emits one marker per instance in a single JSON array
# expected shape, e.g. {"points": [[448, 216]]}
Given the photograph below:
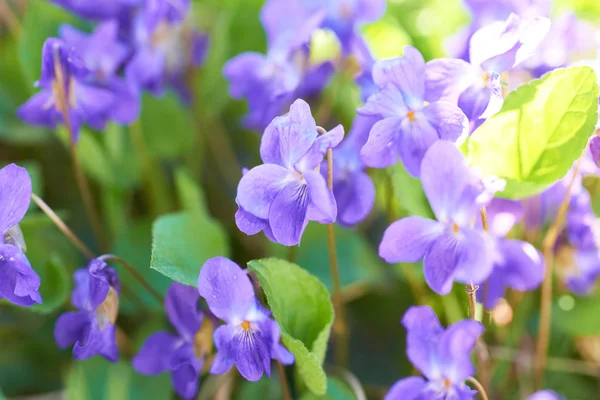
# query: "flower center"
{"points": [[109, 309], [411, 116], [485, 77], [203, 340], [447, 383], [455, 228], [245, 325]]}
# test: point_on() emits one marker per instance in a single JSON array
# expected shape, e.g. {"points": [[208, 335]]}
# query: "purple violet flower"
{"points": [[166, 47], [19, 283], [94, 10], [283, 194], [409, 126], [103, 55], [545, 395], [183, 353], [516, 264], [353, 188], [476, 86], [594, 146], [365, 59], [85, 102], [250, 338], [442, 356], [451, 249], [92, 327]]}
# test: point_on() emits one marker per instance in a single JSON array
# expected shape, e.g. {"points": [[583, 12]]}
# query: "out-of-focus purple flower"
{"points": [[286, 192], [166, 47], [92, 327], [545, 395], [365, 59], [353, 188], [595, 149], [485, 12], [568, 40], [270, 82], [516, 264], [250, 338], [442, 355], [408, 126], [19, 283], [103, 55], [94, 10], [451, 249], [64, 79], [476, 86], [183, 353]]}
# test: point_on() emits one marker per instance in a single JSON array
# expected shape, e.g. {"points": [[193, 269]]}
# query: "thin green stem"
{"points": [[548, 243], [89, 254], [479, 387], [285, 389]]}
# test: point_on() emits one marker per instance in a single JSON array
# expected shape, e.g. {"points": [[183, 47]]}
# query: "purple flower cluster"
{"points": [[270, 82], [97, 77], [249, 339], [19, 283], [441, 355]]}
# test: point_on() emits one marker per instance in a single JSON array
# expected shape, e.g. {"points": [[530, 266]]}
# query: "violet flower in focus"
{"points": [[65, 78], [91, 329], [353, 188], [19, 283], [443, 356], [283, 194], [476, 86], [409, 126], [250, 338], [183, 353], [103, 55], [516, 263], [451, 249], [166, 47]]}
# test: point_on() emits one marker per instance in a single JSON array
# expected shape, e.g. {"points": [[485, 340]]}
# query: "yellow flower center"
{"points": [[246, 325], [411, 116], [455, 228]]}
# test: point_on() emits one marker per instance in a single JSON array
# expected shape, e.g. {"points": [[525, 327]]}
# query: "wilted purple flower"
{"points": [[545, 395], [409, 126], [64, 78], [92, 327], [450, 248], [442, 356], [166, 47], [103, 55], [249, 339], [94, 10], [19, 283], [476, 86], [284, 193], [353, 188], [183, 353]]}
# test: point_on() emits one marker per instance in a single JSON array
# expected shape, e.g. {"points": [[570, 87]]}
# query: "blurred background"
{"points": [[182, 157]]}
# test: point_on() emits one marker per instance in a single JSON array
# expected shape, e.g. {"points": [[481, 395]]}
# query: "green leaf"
{"points": [[302, 307], [336, 390], [167, 126], [541, 130], [580, 319], [409, 192], [98, 379], [134, 244], [182, 242], [190, 194], [359, 264]]}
